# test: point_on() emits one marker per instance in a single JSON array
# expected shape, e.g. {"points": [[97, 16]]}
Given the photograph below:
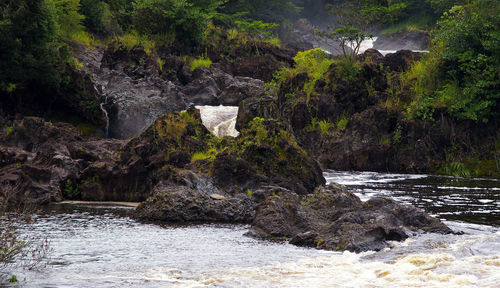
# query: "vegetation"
{"points": [[202, 61], [460, 74]]}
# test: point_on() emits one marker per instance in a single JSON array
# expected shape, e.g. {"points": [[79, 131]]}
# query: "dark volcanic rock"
{"points": [[403, 40], [250, 108], [401, 60], [196, 200], [335, 219], [43, 160], [240, 89]]}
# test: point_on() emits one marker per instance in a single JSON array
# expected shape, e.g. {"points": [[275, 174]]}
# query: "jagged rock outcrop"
{"points": [[195, 198], [335, 219], [137, 87], [42, 161]]}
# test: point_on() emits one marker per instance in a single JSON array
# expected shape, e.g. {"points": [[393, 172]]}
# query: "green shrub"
{"points": [[186, 21], [202, 61], [461, 72], [314, 62], [133, 38], [70, 192]]}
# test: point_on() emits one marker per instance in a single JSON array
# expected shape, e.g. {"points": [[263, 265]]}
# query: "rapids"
{"points": [[101, 246]]}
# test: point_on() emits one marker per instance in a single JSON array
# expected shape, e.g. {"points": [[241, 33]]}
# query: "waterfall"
{"points": [[103, 109], [220, 120], [368, 43]]}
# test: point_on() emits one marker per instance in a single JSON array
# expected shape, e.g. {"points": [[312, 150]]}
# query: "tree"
{"points": [[257, 30], [98, 17], [466, 47], [348, 37], [30, 52], [68, 17], [354, 18], [276, 11], [183, 20]]}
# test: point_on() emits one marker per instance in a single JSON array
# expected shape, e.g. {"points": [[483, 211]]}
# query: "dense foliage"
{"points": [[182, 20], [31, 54], [461, 73]]}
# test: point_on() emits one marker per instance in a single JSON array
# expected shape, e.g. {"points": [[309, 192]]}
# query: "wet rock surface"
{"points": [[334, 219], [403, 40]]}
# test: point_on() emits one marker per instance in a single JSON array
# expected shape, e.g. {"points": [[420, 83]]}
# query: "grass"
{"points": [[210, 154], [342, 123], [133, 38], [202, 61], [84, 38]]}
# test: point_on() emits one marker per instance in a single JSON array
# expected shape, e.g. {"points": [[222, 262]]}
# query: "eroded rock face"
{"points": [[197, 199], [335, 219], [403, 40], [136, 91], [41, 160]]}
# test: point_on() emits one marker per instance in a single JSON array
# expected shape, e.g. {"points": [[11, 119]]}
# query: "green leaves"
{"points": [[185, 20]]}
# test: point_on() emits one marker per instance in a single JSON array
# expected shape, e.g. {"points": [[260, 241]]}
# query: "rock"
{"points": [[403, 40], [250, 108], [192, 203], [401, 60], [266, 153], [240, 89], [371, 55], [335, 219], [202, 91]]}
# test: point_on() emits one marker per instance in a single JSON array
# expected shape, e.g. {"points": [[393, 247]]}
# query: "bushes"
{"points": [[202, 61], [314, 62], [185, 20], [30, 53], [461, 73], [98, 17]]}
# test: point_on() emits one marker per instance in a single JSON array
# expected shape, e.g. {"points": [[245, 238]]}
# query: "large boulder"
{"points": [[43, 161], [266, 152], [335, 219], [195, 199]]}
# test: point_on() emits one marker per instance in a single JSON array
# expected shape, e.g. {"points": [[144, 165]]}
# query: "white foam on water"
{"points": [[220, 120]]}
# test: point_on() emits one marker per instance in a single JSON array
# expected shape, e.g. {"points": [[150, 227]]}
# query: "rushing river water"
{"points": [[103, 247]]}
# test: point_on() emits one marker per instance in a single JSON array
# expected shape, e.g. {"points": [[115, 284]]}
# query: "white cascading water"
{"points": [[368, 44], [103, 109], [220, 120]]}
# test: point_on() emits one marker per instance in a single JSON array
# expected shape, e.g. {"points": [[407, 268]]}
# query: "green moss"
{"points": [[210, 154], [170, 127]]}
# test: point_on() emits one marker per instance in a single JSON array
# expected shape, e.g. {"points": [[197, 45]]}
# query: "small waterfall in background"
{"points": [[220, 120], [103, 109]]}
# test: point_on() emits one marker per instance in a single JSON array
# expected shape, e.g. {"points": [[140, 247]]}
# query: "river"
{"points": [[101, 246]]}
